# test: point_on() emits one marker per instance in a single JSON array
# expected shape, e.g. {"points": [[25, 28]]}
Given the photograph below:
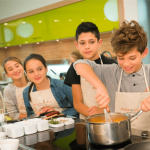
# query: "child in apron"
{"points": [[13, 92], [44, 93], [126, 83]]}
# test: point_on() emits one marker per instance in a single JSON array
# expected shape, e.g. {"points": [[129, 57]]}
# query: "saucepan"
{"points": [[138, 146], [110, 133]]}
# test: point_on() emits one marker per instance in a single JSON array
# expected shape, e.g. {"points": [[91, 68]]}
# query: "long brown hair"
{"points": [[36, 57], [13, 59]]}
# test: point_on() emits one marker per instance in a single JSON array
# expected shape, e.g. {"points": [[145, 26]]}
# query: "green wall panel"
{"points": [[56, 24]]}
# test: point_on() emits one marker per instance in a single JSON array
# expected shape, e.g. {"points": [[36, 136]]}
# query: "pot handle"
{"points": [[135, 115]]}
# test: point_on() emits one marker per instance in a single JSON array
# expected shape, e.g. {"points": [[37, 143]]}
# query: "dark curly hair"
{"points": [[130, 35]]}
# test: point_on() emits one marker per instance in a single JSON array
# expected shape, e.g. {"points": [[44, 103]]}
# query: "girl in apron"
{"points": [[44, 93], [13, 92]]}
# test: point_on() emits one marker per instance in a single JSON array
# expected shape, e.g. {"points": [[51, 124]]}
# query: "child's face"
{"points": [[131, 62], [36, 71], [14, 70], [88, 45]]}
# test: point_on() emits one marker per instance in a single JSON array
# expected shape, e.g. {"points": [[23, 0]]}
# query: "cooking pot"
{"points": [[138, 146], [109, 133]]}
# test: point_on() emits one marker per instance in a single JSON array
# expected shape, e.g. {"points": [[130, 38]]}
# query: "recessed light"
{"points": [[40, 21], [23, 22], [5, 47], [5, 23], [37, 43], [70, 20], [57, 40], [26, 42]]}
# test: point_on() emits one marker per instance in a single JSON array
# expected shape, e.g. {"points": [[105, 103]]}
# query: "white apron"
{"points": [[127, 102], [88, 93], [20, 100], [44, 98]]}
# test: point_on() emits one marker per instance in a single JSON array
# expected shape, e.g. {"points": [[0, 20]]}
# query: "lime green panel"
{"points": [[52, 25], [56, 24], [10, 35], [2, 38], [30, 29]]}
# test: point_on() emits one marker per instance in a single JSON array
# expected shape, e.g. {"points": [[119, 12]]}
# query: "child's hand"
{"points": [[45, 109], [146, 89], [102, 97], [96, 110], [145, 105]]}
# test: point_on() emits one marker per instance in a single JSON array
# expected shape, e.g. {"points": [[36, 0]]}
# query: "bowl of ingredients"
{"points": [[55, 123]]}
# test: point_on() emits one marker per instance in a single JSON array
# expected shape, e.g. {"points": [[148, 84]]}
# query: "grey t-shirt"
{"points": [[11, 101], [110, 75]]}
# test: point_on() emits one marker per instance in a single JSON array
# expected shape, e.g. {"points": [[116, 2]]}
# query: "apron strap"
{"points": [[120, 81], [101, 59], [144, 79]]}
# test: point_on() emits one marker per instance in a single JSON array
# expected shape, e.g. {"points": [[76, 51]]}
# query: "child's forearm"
{"points": [[87, 72]]}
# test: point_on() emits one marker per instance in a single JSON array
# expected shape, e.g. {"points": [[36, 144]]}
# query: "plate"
{"points": [[66, 121], [56, 125], [4, 82]]}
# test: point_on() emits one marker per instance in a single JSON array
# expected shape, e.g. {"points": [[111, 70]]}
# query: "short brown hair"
{"points": [[129, 36], [76, 55]]}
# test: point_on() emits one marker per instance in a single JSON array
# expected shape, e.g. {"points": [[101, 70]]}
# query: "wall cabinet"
{"points": [[59, 23]]}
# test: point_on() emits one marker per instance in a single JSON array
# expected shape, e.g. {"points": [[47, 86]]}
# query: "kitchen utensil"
{"points": [[109, 133], [10, 112], [107, 118], [138, 146]]}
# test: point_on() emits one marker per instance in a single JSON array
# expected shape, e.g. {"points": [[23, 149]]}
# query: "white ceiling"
{"points": [[9, 8]]}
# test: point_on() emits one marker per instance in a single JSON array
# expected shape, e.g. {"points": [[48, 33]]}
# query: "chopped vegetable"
{"points": [[52, 121]]}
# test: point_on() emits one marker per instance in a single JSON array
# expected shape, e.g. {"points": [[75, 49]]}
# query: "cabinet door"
{"points": [[52, 25], [32, 29], [2, 38]]}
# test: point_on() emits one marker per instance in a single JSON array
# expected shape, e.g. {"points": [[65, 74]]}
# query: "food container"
{"points": [[30, 128], [43, 136], [31, 139], [4, 127], [15, 132], [42, 125], [110, 133], [2, 135]]}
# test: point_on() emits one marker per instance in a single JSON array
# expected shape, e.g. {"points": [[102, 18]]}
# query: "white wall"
{"points": [[9, 8], [131, 10]]}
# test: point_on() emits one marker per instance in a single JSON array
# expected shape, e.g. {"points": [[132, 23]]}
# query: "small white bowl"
{"points": [[2, 135], [42, 125], [10, 144], [15, 132], [43, 136], [31, 139], [30, 128]]}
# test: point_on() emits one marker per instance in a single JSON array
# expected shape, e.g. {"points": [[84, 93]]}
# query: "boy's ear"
{"points": [[100, 42], [145, 52], [76, 44]]}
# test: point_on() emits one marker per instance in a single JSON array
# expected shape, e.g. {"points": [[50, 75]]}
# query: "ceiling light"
{"points": [[37, 43], [40, 21], [5, 47], [23, 22], [5, 24], [57, 40]]}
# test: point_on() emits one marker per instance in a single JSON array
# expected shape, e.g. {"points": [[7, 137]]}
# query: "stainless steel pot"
{"points": [[109, 133]]}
